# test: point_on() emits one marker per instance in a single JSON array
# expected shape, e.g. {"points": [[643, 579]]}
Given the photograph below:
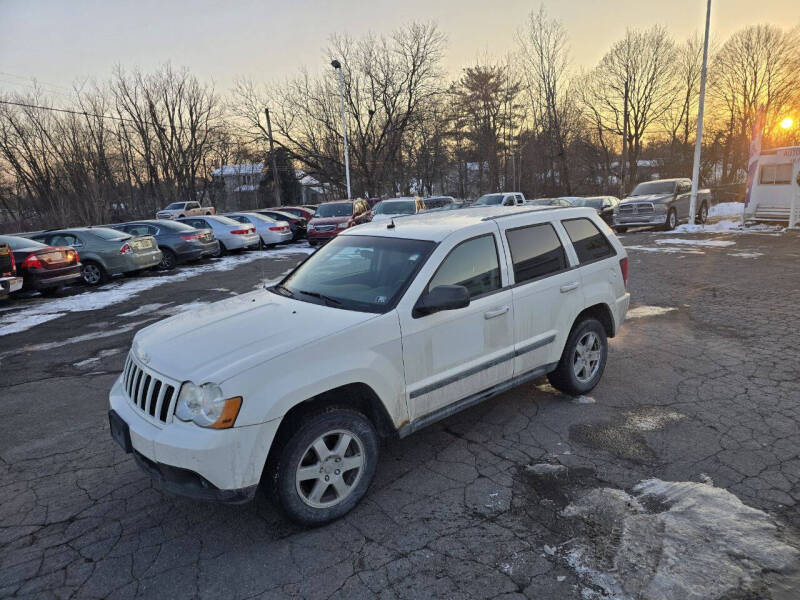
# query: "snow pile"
{"points": [[688, 242], [726, 209], [747, 254], [648, 311], [725, 226], [664, 250], [678, 541]]}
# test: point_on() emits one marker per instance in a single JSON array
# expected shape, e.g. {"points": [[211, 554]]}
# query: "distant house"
{"points": [[311, 190], [239, 179]]}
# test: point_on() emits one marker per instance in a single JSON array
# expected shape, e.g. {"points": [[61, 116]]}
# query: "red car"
{"points": [[298, 211], [333, 217], [44, 268]]}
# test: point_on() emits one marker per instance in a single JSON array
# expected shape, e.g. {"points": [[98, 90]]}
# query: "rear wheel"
{"points": [[168, 259], [326, 466], [583, 359], [93, 273]]}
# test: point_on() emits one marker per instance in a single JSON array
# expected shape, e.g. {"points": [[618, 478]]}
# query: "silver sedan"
{"points": [[269, 230], [231, 234]]}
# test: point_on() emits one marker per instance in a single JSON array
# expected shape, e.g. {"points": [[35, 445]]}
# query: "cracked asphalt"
{"points": [[705, 392]]}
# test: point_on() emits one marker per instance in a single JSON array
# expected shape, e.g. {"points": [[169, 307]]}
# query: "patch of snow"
{"points": [[583, 400], [702, 543], [648, 311], [100, 355], [688, 242], [747, 254], [561, 578], [725, 226], [664, 250], [726, 209], [652, 420], [143, 310], [23, 320], [546, 469], [123, 290], [549, 550]]}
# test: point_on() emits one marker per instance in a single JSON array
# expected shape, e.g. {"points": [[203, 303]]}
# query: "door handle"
{"points": [[491, 314], [568, 287]]}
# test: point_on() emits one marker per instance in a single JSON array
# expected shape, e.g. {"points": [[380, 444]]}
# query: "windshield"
{"points": [[339, 209], [489, 200], [595, 203], [395, 207], [355, 272], [18, 243], [654, 187], [175, 206], [224, 220], [112, 235]]}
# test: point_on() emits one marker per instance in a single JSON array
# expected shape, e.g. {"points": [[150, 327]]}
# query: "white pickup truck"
{"points": [[389, 327], [176, 210]]}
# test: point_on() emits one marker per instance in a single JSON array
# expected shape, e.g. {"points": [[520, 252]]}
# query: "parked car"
{"points": [[501, 199], [311, 207], [297, 225], [178, 242], [299, 211], [43, 268], [604, 205], [334, 217], [403, 325], [396, 207], [9, 282], [105, 252], [663, 202], [270, 231], [176, 210], [230, 234], [438, 202]]}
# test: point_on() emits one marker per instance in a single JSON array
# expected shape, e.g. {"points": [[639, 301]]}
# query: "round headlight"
{"points": [[189, 402]]}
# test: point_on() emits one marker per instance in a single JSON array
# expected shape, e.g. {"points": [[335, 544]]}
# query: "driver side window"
{"points": [[473, 264]]}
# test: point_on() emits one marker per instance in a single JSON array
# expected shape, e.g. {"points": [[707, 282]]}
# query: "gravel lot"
{"points": [[701, 386]]}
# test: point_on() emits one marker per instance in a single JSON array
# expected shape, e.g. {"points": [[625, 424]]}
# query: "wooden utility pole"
{"points": [[276, 183]]}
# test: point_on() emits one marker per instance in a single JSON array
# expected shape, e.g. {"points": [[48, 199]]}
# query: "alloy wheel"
{"points": [[91, 274], [330, 469], [586, 359]]}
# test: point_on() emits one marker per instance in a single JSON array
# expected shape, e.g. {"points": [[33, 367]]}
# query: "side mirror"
{"points": [[442, 297]]}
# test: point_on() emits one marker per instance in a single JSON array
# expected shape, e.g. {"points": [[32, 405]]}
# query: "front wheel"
{"points": [[583, 359], [326, 466], [672, 220]]}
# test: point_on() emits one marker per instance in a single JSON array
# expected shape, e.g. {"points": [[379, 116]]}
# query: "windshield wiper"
{"points": [[322, 297], [283, 290]]}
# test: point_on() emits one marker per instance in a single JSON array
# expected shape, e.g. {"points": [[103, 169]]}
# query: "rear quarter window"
{"points": [[536, 252], [590, 244]]}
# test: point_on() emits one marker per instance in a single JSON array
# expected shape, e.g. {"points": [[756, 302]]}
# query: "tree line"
{"points": [[530, 121]]}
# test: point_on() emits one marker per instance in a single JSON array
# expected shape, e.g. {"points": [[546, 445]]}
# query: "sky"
{"points": [[60, 42]]}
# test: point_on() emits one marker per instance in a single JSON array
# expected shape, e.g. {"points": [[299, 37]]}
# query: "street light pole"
{"points": [[698, 146], [338, 66]]}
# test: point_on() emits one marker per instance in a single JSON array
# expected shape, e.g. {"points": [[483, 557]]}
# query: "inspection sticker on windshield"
{"points": [[380, 300], [413, 257]]}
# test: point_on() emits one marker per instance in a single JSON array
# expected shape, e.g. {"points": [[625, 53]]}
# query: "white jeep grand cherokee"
{"points": [[388, 328]]}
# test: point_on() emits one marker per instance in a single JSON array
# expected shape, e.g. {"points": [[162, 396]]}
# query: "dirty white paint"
{"points": [[703, 544], [648, 311], [688, 242]]}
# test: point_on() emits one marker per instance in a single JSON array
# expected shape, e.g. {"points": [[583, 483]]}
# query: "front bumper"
{"points": [[322, 236], [10, 284], [639, 220], [223, 465]]}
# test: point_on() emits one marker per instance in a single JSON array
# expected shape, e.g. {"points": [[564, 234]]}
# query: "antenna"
{"points": [[391, 224]]}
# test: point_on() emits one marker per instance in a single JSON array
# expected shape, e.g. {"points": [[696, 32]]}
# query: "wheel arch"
{"points": [[601, 312]]}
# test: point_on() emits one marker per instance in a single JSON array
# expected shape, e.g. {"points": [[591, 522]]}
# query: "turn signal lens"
{"points": [[32, 262], [229, 413], [126, 249], [623, 265]]}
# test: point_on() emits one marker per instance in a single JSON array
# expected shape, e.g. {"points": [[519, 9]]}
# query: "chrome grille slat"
{"points": [[152, 395]]}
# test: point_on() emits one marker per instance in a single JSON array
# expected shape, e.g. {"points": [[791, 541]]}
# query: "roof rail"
{"points": [[522, 212]]}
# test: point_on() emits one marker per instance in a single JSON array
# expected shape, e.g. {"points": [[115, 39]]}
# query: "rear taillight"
{"points": [[73, 256], [623, 266], [190, 236], [242, 231], [126, 249], [32, 262], [279, 228], [13, 264]]}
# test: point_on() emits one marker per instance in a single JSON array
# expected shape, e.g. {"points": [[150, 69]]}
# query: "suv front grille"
{"points": [[149, 394]]}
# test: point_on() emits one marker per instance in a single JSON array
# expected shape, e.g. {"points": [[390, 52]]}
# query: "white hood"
{"points": [[218, 341]]}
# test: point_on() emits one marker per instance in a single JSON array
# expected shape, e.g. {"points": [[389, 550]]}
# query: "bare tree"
{"points": [[631, 89]]}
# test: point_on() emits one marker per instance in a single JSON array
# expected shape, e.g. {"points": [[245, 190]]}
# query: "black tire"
{"points": [[702, 215], [672, 220], [312, 244], [168, 260], [208, 214], [93, 273], [564, 378], [221, 251], [620, 229], [330, 425], [181, 216]]}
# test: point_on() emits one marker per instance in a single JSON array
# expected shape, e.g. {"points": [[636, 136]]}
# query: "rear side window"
{"points": [[589, 243], [536, 251], [472, 264]]}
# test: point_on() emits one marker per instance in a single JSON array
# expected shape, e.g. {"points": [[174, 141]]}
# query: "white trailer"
{"points": [[775, 189]]}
